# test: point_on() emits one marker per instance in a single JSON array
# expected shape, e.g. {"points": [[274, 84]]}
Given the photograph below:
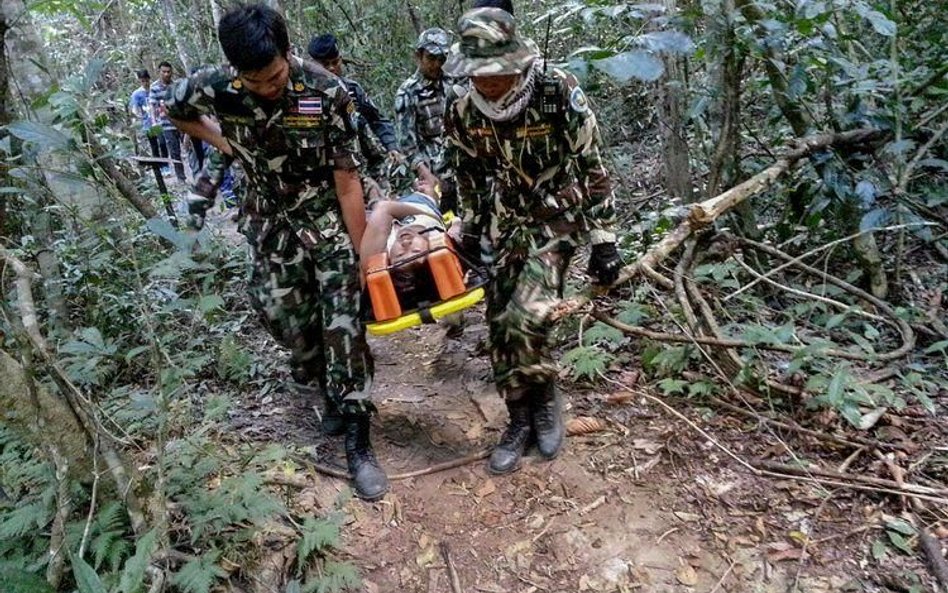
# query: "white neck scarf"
{"points": [[514, 101]]}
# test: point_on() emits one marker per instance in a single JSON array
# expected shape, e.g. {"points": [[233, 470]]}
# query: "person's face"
{"points": [[268, 82], [409, 242], [494, 87], [334, 65], [145, 82], [430, 64], [165, 74]]}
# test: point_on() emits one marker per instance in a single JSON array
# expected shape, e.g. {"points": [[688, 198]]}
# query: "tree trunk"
{"points": [[674, 137], [415, 20], [168, 9], [215, 15]]}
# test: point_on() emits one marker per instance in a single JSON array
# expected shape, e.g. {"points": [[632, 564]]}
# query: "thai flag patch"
{"points": [[311, 106]]}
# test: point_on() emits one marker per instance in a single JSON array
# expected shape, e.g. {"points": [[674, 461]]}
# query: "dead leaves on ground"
{"points": [[582, 425]]}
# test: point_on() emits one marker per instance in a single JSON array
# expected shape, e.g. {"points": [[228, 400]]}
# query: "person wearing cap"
{"points": [[289, 124], [525, 147], [420, 105], [376, 132]]}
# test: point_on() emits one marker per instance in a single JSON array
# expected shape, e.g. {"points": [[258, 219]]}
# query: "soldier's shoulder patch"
{"points": [[351, 107], [578, 101], [298, 87], [237, 84]]}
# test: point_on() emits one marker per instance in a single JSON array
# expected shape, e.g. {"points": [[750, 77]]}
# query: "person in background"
{"points": [[376, 132], [288, 122], [157, 98]]}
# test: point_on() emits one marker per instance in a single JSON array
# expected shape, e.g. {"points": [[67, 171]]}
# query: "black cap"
{"points": [[323, 47]]}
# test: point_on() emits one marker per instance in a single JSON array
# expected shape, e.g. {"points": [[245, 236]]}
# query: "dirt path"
{"points": [[608, 515]]}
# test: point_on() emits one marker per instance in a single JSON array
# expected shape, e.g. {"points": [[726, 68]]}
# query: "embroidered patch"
{"points": [[577, 100], [310, 106], [302, 121], [534, 131], [237, 84], [352, 107], [298, 87], [481, 132]]}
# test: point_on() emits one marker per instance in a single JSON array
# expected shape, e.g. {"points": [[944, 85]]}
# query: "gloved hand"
{"points": [[604, 263], [197, 210]]}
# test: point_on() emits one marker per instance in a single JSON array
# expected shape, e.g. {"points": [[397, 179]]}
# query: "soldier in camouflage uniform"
{"points": [[535, 135], [376, 132], [420, 106], [289, 123]]}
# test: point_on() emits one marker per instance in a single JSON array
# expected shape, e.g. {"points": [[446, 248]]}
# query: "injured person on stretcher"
{"points": [[408, 256]]}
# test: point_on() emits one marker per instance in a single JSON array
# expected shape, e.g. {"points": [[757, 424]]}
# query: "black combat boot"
{"points": [[513, 442], [547, 411], [367, 476], [332, 422]]}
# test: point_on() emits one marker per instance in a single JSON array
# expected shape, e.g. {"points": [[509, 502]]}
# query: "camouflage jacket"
{"points": [[420, 107], [380, 125], [537, 178], [288, 148]]}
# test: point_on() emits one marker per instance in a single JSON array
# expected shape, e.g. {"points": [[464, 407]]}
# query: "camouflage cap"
{"points": [[434, 41], [489, 45]]}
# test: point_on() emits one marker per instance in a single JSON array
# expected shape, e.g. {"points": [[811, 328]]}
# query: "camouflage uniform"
{"points": [[376, 134], [305, 278], [548, 189], [420, 107]]}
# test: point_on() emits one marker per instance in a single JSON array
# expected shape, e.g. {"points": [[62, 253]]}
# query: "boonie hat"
{"points": [[434, 41], [489, 45]]}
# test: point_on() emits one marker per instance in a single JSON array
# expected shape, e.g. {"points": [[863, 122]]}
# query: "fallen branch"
{"points": [[338, 472], [904, 329], [452, 571], [704, 213], [891, 485]]}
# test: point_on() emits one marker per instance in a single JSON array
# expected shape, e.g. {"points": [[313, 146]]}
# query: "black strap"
{"points": [[426, 316]]}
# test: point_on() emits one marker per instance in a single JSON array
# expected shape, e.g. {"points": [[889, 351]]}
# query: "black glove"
{"points": [[604, 263]]}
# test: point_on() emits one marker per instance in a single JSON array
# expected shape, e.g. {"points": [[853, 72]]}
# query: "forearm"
{"points": [[377, 229], [206, 130], [351, 203]]}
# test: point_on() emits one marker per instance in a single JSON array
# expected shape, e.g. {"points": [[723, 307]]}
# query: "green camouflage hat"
{"points": [[434, 41], [489, 45]]}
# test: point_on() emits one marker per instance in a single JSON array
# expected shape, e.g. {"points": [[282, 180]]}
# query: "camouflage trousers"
{"points": [[305, 284], [520, 300]]}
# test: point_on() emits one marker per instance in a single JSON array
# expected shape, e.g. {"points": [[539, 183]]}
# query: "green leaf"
{"points": [[600, 333], [199, 574], [587, 361], [317, 535], [899, 541], [940, 346], [879, 549], [673, 42], [134, 573], [44, 136], [210, 302], [86, 578], [16, 580], [880, 23], [637, 64], [671, 386], [901, 526]]}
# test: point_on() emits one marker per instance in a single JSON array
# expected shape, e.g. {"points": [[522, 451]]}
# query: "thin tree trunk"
{"points": [[674, 137], [215, 14], [168, 9], [415, 20]]}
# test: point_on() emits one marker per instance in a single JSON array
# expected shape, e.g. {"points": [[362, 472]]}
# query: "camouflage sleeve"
{"points": [[470, 175], [341, 133], [405, 126], [582, 134], [381, 125], [192, 97]]}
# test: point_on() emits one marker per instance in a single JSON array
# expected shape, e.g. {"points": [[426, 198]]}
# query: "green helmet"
{"points": [[434, 41], [489, 45]]}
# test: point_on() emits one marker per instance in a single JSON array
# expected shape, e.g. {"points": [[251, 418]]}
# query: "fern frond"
{"points": [[198, 575], [317, 535]]}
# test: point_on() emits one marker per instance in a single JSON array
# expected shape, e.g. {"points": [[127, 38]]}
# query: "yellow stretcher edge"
{"points": [[439, 311]]}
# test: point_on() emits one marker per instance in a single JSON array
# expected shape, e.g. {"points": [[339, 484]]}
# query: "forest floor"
{"points": [[641, 499]]}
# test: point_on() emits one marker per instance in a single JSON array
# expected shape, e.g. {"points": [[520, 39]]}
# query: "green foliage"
{"points": [[586, 362], [317, 536], [199, 574], [666, 360], [233, 362], [133, 575], [87, 579]]}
